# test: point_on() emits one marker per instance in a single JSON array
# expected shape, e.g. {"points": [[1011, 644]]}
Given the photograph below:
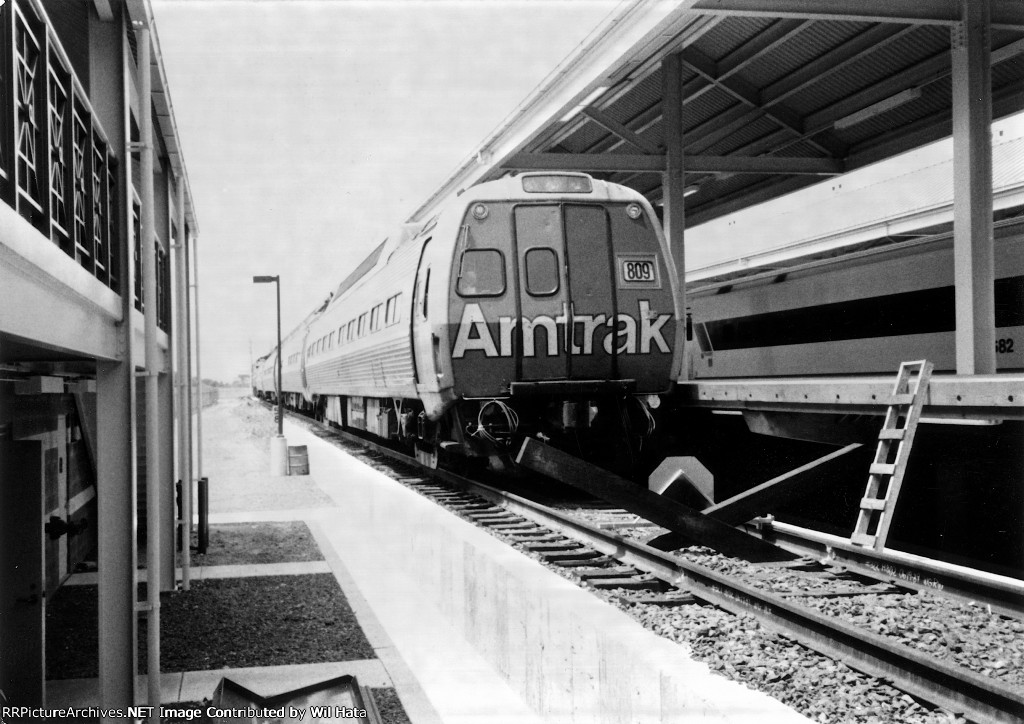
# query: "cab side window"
{"points": [[541, 271], [481, 273]]}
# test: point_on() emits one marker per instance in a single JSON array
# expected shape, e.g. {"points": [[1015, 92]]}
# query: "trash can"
{"points": [[298, 460]]}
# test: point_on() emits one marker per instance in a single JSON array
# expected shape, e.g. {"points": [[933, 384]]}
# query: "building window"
{"points": [[137, 233], [163, 290]]}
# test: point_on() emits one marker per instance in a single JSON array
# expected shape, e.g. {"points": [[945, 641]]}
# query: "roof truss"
{"points": [[1006, 14], [616, 162]]}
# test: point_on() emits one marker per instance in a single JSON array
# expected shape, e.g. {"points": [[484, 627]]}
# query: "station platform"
{"points": [[465, 629]]}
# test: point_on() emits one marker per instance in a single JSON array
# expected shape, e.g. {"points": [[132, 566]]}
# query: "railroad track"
{"points": [[643, 576]]}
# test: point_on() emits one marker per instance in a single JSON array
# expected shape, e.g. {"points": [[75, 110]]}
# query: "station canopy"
{"points": [[775, 96]]}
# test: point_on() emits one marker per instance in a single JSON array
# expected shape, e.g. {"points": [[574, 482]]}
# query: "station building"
{"points": [[95, 228]]}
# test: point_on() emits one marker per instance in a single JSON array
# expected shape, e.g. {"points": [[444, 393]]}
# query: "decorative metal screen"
{"points": [[58, 125], [27, 62], [81, 186], [99, 211]]}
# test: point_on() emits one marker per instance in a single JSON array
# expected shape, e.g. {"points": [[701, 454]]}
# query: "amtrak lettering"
{"points": [[475, 334]]}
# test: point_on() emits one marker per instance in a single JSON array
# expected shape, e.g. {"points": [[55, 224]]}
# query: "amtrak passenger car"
{"points": [[861, 313], [538, 304]]}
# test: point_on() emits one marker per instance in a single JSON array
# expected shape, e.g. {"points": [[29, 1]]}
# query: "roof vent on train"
{"points": [[557, 183]]}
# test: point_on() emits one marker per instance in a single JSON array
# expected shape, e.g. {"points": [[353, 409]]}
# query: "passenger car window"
{"points": [[541, 271], [481, 273], [426, 290], [391, 312]]}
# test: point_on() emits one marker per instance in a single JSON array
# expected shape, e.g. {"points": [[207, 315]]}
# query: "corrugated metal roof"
{"points": [[730, 34], [811, 43], [752, 131], [919, 45], [707, 106], [866, 62], [934, 97], [585, 138]]}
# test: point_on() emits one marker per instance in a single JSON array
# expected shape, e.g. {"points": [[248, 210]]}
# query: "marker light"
{"points": [[480, 212], [556, 183], [634, 211]]}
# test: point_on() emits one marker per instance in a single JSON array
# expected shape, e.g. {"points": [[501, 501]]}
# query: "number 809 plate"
{"points": [[638, 271]]}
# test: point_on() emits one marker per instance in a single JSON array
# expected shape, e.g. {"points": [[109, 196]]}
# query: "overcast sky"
{"points": [[311, 129]]}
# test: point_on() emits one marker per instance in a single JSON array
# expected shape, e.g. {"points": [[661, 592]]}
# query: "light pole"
{"points": [[278, 447]]}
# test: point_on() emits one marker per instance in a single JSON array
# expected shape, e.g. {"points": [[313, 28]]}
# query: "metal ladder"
{"points": [[885, 476]]}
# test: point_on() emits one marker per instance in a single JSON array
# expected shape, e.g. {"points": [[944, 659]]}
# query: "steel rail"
{"points": [[1004, 595], [955, 688], [979, 698]]}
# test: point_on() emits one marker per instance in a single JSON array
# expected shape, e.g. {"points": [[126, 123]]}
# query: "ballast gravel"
{"points": [[964, 634], [739, 648]]}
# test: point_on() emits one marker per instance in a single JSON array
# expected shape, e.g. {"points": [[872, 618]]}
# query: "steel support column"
{"points": [[165, 442], [189, 500], [182, 378], [116, 523], [116, 445], [974, 271], [674, 183], [153, 455], [199, 368]]}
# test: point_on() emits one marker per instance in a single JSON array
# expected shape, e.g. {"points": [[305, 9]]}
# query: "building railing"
{"points": [[57, 169]]}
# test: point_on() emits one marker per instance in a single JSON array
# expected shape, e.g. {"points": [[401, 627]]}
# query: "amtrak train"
{"points": [[547, 305], [863, 312], [541, 304]]}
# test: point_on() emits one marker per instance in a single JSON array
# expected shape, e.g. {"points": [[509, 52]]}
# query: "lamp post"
{"points": [[278, 446]]}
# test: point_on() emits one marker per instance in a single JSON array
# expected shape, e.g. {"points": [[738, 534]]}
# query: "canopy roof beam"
{"points": [[747, 94], [1006, 14], [612, 126], [617, 162]]}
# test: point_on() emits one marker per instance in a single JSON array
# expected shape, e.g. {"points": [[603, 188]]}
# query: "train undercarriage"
{"points": [[961, 499], [618, 432]]}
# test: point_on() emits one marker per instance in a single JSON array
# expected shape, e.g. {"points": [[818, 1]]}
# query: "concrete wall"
{"points": [[570, 656]]}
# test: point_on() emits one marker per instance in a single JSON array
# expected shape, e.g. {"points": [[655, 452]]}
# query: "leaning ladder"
{"points": [[885, 476]]}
